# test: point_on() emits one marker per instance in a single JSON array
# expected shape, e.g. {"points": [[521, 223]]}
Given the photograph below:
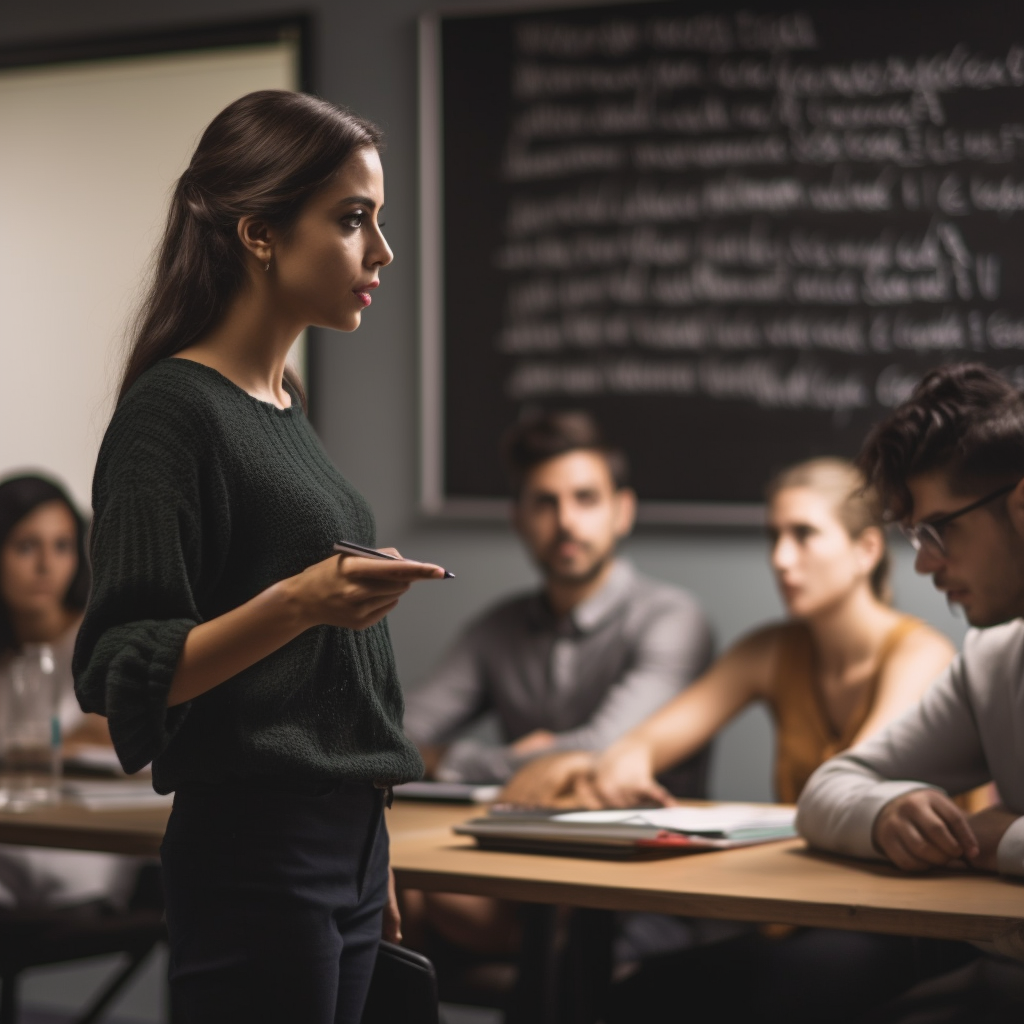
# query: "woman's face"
{"points": [[327, 266], [39, 560], [816, 562]]}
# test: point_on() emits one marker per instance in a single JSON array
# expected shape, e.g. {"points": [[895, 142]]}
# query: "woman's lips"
{"points": [[363, 297]]}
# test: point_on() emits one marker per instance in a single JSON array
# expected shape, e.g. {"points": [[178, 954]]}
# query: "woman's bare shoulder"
{"points": [[924, 640], [756, 653]]}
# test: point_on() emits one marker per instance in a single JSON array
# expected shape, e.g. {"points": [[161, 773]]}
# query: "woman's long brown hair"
{"points": [[263, 156]]}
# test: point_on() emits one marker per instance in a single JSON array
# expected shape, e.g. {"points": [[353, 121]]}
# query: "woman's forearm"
{"points": [[216, 650], [688, 722], [348, 592]]}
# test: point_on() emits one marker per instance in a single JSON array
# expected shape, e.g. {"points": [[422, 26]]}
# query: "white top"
{"points": [[967, 730], [36, 877]]}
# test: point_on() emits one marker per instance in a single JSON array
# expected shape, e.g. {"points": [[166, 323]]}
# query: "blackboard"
{"points": [[737, 236]]}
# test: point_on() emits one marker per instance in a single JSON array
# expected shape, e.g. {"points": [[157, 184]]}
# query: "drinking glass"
{"points": [[29, 730]]}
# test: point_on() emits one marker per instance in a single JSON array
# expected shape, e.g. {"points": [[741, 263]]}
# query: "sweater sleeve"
{"points": [[935, 744], [159, 523]]}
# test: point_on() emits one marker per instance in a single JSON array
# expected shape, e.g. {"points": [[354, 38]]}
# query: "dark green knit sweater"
{"points": [[203, 497]]}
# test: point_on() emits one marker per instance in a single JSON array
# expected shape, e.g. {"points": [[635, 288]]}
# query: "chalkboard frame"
{"points": [[434, 503]]}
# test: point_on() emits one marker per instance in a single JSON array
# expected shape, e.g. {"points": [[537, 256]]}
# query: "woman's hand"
{"points": [[549, 781], [391, 925], [354, 592], [624, 777], [343, 590]]}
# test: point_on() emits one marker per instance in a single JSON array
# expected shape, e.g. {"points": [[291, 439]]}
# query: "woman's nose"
{"points": [[783, 553]]}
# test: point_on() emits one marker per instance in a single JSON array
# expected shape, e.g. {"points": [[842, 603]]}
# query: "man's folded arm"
{"points": [[934, 745]]}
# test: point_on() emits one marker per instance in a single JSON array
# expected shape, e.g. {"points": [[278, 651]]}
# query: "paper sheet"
{"points": [[721, 819]]}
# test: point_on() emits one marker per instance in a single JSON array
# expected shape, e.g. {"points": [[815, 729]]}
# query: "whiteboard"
{"points": [[90, 152]]}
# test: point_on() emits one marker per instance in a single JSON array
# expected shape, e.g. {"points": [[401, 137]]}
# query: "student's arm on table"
{"points": [[672, 651], [624, 775], [888, 797]]}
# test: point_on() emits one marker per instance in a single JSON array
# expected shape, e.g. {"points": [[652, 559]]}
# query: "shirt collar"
{"points": [[590, 614]]}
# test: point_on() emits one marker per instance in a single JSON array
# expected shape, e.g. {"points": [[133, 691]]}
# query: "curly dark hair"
{"points": [[965, 419], [538, 436]]}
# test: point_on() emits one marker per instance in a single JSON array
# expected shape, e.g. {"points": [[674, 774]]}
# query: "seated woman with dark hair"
{"points": [[44, 583]]}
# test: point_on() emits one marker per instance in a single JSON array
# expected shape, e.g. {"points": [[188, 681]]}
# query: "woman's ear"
{"points": [[1015, 507], [871, 548], [257, 237]]}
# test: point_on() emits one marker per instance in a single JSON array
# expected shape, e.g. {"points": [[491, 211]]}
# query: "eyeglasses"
{"points": [[929, 534]]}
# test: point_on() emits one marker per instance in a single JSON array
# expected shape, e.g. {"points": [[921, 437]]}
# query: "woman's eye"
{"points": [[353, 220]]}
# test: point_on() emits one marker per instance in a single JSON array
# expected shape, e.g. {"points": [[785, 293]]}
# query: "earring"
{"points": [[267, 266]]}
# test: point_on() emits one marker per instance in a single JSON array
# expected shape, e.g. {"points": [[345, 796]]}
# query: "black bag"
{"points": [[403, 989]]}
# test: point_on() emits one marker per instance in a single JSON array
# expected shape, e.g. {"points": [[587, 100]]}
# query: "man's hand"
{"points": [[391, 925], [547, 781], [924, 829], [989, 826], [625, 777], [535, 742]]}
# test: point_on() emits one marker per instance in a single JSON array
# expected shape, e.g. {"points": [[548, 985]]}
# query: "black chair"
{"points": [[44, 938], [403, 988]]}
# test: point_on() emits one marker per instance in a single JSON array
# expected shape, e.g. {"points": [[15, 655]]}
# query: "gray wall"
{"points": [[366, 392]]}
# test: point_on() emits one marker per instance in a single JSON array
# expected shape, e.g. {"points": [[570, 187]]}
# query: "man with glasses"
{"points": [[949, 466]]}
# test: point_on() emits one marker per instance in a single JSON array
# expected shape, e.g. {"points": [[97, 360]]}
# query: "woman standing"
{"points": [[223, 640]]}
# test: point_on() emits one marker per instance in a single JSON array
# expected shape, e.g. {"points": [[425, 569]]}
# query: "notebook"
{"points": [[688, 829]]}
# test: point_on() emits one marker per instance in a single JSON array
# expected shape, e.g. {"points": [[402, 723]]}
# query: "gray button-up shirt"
{"points": [[588, 677]]}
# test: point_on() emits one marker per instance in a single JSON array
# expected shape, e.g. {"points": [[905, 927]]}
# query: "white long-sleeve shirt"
{"points": [[967, 730]]}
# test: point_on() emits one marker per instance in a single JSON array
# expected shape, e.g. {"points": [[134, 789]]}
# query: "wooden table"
{"points": [[73, 827], [776, 882], [779, 882]]}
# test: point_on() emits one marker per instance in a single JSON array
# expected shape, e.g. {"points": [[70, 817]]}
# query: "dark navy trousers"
{"points": [[274, 902]]}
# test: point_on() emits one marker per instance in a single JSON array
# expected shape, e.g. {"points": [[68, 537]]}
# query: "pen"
{"points": [[346, 547]]}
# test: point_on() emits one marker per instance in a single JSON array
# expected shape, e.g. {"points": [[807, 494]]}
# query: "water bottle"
{"points": [[30, 762]]}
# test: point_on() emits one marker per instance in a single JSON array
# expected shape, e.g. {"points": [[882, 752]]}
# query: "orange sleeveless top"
{"points": [[804, 737]]}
